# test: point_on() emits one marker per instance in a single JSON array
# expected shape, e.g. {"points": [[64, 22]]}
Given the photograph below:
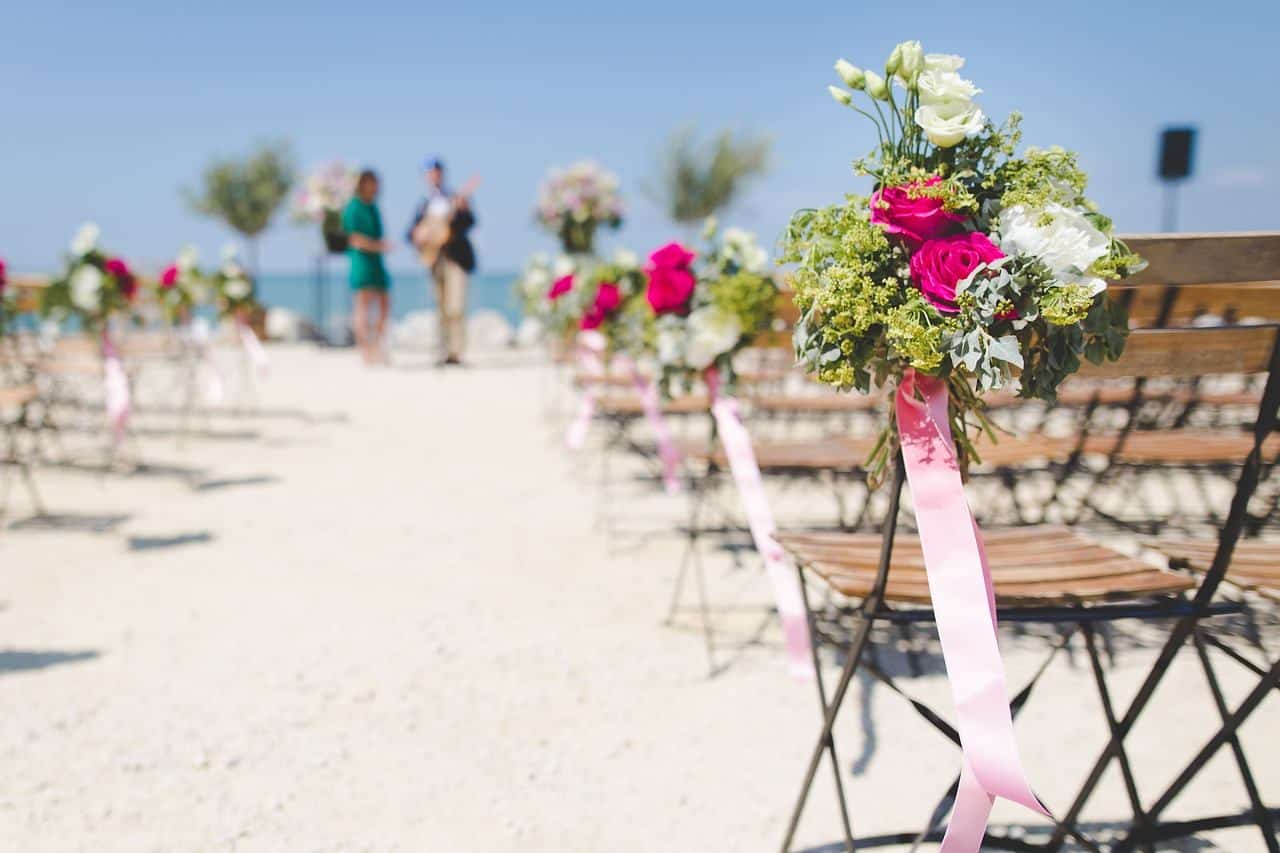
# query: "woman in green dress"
{"points": [[369, 280]]}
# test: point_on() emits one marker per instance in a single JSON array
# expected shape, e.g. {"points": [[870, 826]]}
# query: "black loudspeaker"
{"points": [[1176, 147]]}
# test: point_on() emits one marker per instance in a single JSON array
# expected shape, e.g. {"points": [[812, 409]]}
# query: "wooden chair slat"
{"points": [[1200, 259], [1188, 353]]}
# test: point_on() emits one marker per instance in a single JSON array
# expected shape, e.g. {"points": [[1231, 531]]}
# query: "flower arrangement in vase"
{"points": [[574, 202], [233, 288], [321, 199]]}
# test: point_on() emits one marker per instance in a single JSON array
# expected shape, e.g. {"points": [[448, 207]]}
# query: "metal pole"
{"points": [[1169, 219]]}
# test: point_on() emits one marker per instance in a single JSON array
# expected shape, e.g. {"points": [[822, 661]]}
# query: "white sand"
{"points": [[401, 631]]}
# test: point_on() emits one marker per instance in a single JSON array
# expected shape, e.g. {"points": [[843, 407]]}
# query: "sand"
{"points": [[383, 614]]}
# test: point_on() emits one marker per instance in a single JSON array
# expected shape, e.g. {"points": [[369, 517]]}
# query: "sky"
{"points": [[108, 110]]}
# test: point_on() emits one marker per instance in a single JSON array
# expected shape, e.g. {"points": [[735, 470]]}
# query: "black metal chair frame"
{"points": [[1188, 612]]}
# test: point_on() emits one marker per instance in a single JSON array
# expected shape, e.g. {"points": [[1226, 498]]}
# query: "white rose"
{"points": [[229, 252], [626, 259], [86, 239], [937, 87], [563, 266], [712, 332], [1068, 244], [948, 123], [237, 288], [943, 62], [86, 288]]}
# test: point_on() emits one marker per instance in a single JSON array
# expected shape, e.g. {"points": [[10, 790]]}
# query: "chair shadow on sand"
{"points": [[231, 482], [71, 522], [159, 543], [25, 660]]}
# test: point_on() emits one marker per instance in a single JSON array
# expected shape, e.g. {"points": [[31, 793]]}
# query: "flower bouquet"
{"points": [[238, 302], [233, 287], [321, 199], [574, 202], [705, 311], [969, 263], [94, 286], [181, 287], [969, 268]]}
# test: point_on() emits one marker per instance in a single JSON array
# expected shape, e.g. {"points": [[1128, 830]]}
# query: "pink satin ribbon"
{"points": [[589, 348], [253, 348], [667, 450], [782, 574], [965, 609], [115, 389]]}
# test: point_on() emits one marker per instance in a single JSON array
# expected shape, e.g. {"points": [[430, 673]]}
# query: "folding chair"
{"points": [[1056, 576]]}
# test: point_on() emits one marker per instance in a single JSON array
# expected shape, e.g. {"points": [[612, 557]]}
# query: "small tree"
{"points": [[245, 193], [697, 179]]}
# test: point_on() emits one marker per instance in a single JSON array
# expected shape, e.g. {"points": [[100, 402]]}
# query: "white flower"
{"points": [[86, 288], [237, 288], [187, 259], [1062, 238], [851, 74], [876, 86], [563, 266], [86, 239], [946, 124], [669, 343], [229, 252], [840, 96], [712, 332], [943, 62], [741, 247], [938, 87], [536, 282], [626, 259], [911, 62]]}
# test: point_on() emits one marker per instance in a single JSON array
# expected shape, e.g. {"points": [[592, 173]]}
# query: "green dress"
{"points": [[367, 269]]}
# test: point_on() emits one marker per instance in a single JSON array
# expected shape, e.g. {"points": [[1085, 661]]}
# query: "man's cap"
{"points": [[432, 163]]}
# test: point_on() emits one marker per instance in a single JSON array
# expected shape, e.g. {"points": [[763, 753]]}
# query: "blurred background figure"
{"points": [[369, 279], [439, 232]]}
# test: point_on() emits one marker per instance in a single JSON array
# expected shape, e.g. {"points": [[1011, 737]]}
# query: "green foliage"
{"points": [[245, 193], [699, 179]]}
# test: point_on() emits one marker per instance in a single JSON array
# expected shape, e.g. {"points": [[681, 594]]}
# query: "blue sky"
{"points": [[110, 108]]}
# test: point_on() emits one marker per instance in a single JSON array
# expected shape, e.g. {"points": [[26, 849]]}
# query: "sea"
{"points": [[324, 298]]}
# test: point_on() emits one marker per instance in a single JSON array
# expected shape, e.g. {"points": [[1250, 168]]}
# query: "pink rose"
{"points": [[169, 277], [913, 219], [3, 279], [608, 298], [671, 281], [560, 287], [119, 270], [939, 265]]}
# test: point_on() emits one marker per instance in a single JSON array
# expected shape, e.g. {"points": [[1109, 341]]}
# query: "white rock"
{"points": [[488, 330]]}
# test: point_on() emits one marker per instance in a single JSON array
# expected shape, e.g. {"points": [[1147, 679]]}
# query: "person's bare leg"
{"points": [[381, 299], [359, 322]]}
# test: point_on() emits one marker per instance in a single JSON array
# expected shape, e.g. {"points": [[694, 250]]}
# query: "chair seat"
{"points": [[1030, 566], [1254, 565], [816, 404], [835, 453], [1180, 447], [17, 395], [630, 405]]}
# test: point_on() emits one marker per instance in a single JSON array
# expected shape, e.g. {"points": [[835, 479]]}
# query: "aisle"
{"points": [[392, 626]]}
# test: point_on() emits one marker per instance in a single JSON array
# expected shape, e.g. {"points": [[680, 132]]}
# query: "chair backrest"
{"points": [[1207, 267]]}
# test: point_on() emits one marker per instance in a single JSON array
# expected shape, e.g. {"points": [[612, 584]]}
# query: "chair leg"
{"points": [[1232, 723], [1142, 826], [830, 711], [1246, 775]]}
